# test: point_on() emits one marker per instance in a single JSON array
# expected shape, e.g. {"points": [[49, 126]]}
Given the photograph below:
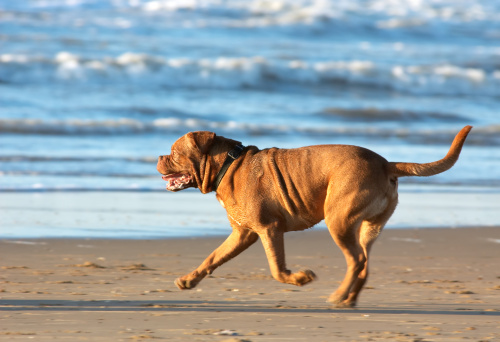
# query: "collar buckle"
{"points": [[235, 153]]}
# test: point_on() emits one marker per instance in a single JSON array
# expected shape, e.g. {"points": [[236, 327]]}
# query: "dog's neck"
{"points": [[232, 155]]}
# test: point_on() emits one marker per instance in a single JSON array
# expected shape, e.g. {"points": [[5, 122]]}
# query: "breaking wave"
{"points": [[131, 69], [263, 13]]}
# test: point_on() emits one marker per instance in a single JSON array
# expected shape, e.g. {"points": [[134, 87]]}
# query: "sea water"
{"points": [[92, 91]]}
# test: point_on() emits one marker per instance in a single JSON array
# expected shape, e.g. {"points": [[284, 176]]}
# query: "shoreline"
{"points": [[139, 215], [425, 285], [44, 240]]}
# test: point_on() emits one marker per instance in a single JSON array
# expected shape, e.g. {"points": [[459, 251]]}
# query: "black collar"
{"points": [[232, 155]]}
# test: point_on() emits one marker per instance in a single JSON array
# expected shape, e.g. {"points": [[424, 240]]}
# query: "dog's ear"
{"points": [[201, 140]]}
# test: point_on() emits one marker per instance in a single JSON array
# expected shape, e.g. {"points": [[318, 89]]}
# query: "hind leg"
{"points": [[346, 236], [368, 233]]}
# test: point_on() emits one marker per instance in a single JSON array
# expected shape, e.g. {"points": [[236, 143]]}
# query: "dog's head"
{"points": [[194, 161]]}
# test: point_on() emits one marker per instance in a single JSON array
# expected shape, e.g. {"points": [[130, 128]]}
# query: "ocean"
{"points": [[92, 91]]}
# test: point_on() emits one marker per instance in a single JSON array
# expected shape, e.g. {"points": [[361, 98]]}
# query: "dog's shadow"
{"points": [[18, 305]]}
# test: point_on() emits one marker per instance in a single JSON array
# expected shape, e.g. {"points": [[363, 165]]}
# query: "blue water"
{"points": [[92, 91]]}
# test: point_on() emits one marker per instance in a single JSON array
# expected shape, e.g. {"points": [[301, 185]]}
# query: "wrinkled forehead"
{"points": [[179, 143], [183, 144]]}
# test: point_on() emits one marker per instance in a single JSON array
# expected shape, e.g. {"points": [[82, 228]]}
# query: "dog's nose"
{"points": [[160, 161], [159, 164]]}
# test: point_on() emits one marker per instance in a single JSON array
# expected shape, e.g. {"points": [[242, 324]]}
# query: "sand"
{"points": [[425, 285]]}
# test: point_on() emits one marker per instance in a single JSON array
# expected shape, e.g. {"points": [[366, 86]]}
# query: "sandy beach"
{"points": [[425, 285], [93, 91]]}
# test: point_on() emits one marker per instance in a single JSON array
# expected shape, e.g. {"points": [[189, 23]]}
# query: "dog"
{"points": [[272, 191]]}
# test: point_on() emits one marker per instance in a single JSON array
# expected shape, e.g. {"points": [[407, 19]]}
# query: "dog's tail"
{"points": [[429, 169]]}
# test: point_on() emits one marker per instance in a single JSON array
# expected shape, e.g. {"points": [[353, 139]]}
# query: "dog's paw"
{"points": [[345, 305], [336, 299], [184, 284], [341, 302], [304, 277]]}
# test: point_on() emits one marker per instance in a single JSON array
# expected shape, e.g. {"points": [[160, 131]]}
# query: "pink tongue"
{"points": [[169, 177]]}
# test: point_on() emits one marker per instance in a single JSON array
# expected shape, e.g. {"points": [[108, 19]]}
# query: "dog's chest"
{"points": [[220, 201], [233, 212]]}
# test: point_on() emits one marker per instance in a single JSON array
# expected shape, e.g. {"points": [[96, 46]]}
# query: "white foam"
{"points": [[233, 73], [65, 57], [391, 15], [400, 23], [19, 59], [386, 14]]}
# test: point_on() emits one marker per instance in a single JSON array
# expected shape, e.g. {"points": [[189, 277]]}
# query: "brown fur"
{"points": [[269, 192]]}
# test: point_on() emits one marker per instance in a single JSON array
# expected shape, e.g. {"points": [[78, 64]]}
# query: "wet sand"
{"points": [[425, 285]]}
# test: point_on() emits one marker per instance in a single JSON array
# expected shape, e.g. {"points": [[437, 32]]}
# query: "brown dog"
{"points": [[269, 192]]}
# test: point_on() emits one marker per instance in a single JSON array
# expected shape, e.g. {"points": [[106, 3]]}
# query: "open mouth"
{"points": [[177, 181]]}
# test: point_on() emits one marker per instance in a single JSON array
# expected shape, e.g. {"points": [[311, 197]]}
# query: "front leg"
{"points": [[239, 240], [274, 245]]}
